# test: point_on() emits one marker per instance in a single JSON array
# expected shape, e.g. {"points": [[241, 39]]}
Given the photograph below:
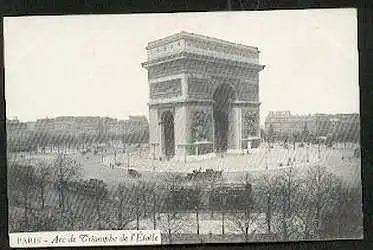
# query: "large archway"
{"points": [[168, 134], [223, 96]]}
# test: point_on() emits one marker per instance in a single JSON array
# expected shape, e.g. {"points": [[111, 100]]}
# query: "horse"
{"points": [[133, 173]]}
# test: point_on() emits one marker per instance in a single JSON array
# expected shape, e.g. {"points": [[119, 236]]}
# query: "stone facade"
{"points": [[76, 125], [185, 70], [286, 124], [165, 89]]}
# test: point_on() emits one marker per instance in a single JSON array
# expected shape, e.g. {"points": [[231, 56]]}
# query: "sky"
{"points": [[90, 65]]}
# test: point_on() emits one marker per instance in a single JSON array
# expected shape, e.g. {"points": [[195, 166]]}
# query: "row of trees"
{"points": [[302, 204], [30, 190], [34, 140], [296, 205]]}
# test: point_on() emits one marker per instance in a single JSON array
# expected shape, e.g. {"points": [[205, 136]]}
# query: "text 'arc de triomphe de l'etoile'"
{"points": [[204, 95]]}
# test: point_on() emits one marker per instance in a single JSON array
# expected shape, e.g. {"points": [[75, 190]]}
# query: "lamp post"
{"points": [[318, 151], [289, 159], [343, 150], [223, 204], [213, 131], [153, 158], [266, 158], [120, 213], [128, 155], [161, 137]]}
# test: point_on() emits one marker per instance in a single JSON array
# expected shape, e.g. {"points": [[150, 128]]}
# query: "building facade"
{"points": [[69, 125], [286, 124], [90, 125], [203, 91], [16, 128]]}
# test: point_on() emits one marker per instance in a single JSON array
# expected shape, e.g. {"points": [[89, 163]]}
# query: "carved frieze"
{"points": [[222, 48], [166, 89], [250, 120], [201, 126], [165, 69]]}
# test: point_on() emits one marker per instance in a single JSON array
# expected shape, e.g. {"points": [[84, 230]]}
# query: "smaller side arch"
{"points": [[168, 133]]}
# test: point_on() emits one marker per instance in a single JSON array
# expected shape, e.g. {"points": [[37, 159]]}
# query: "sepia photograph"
{"points": [[183, 128]]}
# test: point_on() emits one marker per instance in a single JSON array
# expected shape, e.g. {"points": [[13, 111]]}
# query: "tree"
{"points": [[288, 187], [21, 143], [172, 224], [135, 201], [195, 200], [82, 140], [270, 134], [155, 191], [243, 216], [44, 174], [23, 178], [173, 202], [267, 188], [345, 217], [244, 222], [295, 139], [234, 199], [305, 133], [124, 209], [97, 190], [218, 200], [263, 135], [66, 169], [70, 217], [306, 213], [319, 185], [213, 181]]}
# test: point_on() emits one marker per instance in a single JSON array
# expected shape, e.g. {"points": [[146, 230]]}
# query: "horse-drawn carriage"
{"points": [[133, 173], [207, 174]]}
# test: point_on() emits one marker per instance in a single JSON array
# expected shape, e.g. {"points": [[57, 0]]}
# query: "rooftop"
{"points": [[188, 35]]}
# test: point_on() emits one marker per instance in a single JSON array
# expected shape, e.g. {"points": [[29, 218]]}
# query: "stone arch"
{"points": [[168, 134], [223, 96], [227, 85]]}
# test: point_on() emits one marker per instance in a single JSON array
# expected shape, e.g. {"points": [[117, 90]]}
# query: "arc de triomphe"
{"points": [[203, 95]]}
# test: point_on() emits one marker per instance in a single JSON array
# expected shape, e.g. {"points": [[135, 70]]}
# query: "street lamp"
{"points": [[318, 150], [223, 204], [153, 144], [289, 159], [266, 158]]}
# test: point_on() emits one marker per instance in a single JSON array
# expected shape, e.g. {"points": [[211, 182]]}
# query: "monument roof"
{"points": [[194, 36]]}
